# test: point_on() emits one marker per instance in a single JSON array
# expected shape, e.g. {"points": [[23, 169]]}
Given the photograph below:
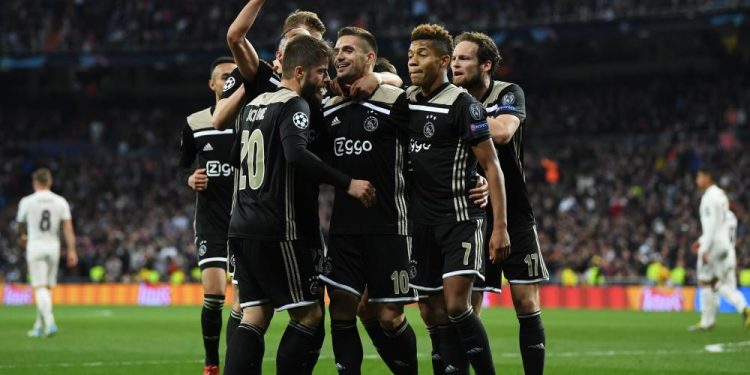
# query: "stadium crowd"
{"points": [[98, 26], [611, 176]]}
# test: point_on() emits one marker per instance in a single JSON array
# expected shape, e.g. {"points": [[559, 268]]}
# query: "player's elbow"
{"points": [[501, 136], [235, 36], [218, 122]]}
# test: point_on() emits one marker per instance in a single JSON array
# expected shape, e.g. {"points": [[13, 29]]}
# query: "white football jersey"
{"points": [[43, 212], [713, 212]]}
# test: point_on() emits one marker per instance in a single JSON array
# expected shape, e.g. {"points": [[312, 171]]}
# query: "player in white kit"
{"points": [[717, 260], [39, 218]]}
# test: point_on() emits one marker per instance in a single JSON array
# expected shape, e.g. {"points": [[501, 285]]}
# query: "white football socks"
{"points": [[44, 305], [709, 305]]}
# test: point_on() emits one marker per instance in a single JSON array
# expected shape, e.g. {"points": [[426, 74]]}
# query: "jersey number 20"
{"points": [[252, 150]]}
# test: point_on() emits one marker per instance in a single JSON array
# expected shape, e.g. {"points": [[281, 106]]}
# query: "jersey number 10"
{"points": [[253, 155]]}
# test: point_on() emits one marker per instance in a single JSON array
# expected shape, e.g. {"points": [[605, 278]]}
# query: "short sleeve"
{"points": [[22, 211], [471, 119], [233, 82], [294, 120], [65, 207], [400, 112], [512, 101]]}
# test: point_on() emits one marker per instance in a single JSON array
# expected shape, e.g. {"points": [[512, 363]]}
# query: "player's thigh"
{"points": [[246, 255], [212, 251], [39, 269], [493, 275], [425, 268], [461, 246], [286, 274], [344, 266], [53, 265], [525, 265], [727, 275], [214, 280], [707, 274], [387, 260]]}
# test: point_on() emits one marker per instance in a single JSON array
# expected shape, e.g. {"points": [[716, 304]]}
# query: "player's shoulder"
{"points": [[280, 96], [333, 101], [386, 94], [200, 120], [453, 95], [503, 93]]}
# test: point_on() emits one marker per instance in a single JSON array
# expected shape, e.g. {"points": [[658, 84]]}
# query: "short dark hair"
{"points": [[306, 18], [707, 168], [220, 60], [383, 65], [361, 33], [487, 50], [42, 176], [305, 51], [439, 36]]}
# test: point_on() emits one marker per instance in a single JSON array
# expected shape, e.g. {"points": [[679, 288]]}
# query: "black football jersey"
{"points": [[211, 148], [265, 80], [274, 200], [369, 143], [505, 98], [443, 127]]}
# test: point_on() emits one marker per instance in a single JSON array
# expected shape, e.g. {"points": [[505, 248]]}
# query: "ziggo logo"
{"points": [[343, 146]]}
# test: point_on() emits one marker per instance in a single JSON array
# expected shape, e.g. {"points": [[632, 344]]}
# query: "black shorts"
{"points": [[280, 273], [212, 251], [231, 262], [379, 263], [525, 264], [445, 250]]}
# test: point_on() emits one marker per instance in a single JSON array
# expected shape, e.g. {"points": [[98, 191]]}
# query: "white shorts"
{"points": [[43, 267], [722, 269]]}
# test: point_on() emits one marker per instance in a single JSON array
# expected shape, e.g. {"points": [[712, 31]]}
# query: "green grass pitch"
{"points": [[166, 340]]}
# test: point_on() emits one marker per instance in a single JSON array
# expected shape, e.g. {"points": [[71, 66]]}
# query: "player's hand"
{"points": [[335, 88], [695, 246], [198, 181], [364, 87], [499, 245], [22, 239], [704, 257], [72, 258], [480, 194], [362, 190]]}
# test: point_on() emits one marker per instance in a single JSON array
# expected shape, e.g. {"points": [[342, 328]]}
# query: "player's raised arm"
{"points": [[243, 51], [228, 108]]}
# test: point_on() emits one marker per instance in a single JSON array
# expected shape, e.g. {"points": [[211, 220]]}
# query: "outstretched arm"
{"points": [[244, 54]]}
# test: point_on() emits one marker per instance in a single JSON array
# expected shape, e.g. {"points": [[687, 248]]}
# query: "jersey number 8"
{"points": [[252, 150]]}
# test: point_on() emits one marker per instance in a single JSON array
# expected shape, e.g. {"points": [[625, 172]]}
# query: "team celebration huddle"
{"points": [[430, 207]]}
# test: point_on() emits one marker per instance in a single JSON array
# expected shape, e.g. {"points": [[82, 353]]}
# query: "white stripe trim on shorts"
{"points": [[463, 272], [487, 289], [254, 303], [398, 299], [294, 305], [339, 285], [534, 281], [216, 259], [425, 288]]}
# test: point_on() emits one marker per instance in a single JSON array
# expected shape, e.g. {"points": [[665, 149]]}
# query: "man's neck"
{"points": [[480, 90], [426, 91], [291, 84]]}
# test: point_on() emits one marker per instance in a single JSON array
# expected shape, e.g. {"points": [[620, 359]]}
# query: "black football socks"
{"points": [[211, 326], [532, 342]]}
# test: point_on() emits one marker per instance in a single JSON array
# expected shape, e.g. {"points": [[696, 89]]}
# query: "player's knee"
{"points": [[390, 316], [343, 305], [432, 313], [311, 315], [365, 311]]}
